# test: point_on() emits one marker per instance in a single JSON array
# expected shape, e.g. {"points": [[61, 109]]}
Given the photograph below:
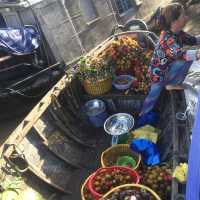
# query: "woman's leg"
{"points": [[175, 76], [151, 98], [177, 73]]}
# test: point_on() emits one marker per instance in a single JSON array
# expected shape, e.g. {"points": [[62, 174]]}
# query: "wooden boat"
{"points": [[26, 90], [55, 149], [25, 76], [23, 80]]}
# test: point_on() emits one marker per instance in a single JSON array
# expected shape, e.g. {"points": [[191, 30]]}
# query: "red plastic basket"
{"points": [[84, 186], [131, 172]]}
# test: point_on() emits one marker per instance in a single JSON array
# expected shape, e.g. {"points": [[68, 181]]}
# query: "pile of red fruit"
{"points": [[105, 180], [129, 194], [157, 178], [127, 57]]}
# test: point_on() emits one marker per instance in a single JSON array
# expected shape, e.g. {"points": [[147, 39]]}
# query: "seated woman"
{"points": [[170, 63]]}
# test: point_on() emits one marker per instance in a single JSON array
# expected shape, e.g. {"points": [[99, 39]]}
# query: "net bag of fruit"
{"points": [[131, 191], [104, 179]]}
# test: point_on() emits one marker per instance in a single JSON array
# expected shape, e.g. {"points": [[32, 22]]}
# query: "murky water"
{"points": [[8, 125]]}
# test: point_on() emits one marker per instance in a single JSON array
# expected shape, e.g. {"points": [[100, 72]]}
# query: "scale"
{"points": [[117, 125]]}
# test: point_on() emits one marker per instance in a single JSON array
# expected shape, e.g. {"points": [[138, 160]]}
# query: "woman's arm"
{"points": [[198, 54], [187, 39], [192, 54], [174, 51]]}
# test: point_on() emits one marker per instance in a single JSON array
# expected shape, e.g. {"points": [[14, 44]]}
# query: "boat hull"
{"points": [[65, 138]]}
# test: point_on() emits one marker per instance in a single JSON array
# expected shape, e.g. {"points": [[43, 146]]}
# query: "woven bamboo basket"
{"points": [[84, 186], [134, 186], [109, 156], [99, 87]]}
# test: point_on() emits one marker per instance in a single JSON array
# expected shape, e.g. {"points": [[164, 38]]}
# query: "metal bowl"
{"points": [[119, 124], [94, 107]]}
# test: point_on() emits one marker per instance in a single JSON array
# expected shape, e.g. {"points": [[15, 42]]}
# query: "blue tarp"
{"points": [[19, 40], [147, 149], [193, 179]]}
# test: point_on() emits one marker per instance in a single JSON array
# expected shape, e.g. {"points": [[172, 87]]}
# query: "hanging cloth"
{"points": [[19, 41]]}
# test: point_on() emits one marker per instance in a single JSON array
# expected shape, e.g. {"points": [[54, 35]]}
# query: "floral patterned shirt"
{"points": [[167, 50]]}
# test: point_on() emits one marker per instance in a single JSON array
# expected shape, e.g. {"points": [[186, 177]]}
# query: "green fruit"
{"points": [[9, 195], [96, 183], [97, 189], [168, 188], [154, 186], [108, 176], [159, 178], [29, 194]]}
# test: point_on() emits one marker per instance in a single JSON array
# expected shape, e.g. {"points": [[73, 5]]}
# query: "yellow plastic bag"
{"points": [[146, 132]]}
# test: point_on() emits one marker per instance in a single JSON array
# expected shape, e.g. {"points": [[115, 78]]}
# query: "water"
{"points": [[8, 125]]}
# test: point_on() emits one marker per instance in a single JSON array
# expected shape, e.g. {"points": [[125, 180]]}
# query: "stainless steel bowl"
{"points": [[94, 107], [119, 124]]}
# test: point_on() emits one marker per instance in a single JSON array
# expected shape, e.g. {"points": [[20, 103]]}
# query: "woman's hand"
{"points": [[198, 54]]}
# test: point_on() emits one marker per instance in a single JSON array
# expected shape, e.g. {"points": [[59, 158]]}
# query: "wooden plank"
{"points": [[44, 128], [69, 131], [116, 94], [63, 147], [44, 164], [20, 132], [60, 145], [77, 129], [175, 144], [77, 92], [67, 115]]}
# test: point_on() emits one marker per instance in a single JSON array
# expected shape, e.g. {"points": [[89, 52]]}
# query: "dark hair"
{"points": [[169, 14]]}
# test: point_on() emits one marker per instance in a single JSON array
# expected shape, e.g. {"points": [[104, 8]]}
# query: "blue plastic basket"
{"points": [[122, 86]]}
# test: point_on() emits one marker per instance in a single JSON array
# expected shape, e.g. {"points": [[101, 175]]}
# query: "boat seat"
{"points": [[4, 58], [171, 87]]}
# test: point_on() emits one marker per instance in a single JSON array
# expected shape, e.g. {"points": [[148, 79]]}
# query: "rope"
{"points": [[112, 11], [40, 32], [35, 75], [22, 94], [26, 79], [71, 22]]}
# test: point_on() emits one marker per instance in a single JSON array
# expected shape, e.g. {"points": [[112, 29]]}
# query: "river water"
{"points": [[8, 126]]}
